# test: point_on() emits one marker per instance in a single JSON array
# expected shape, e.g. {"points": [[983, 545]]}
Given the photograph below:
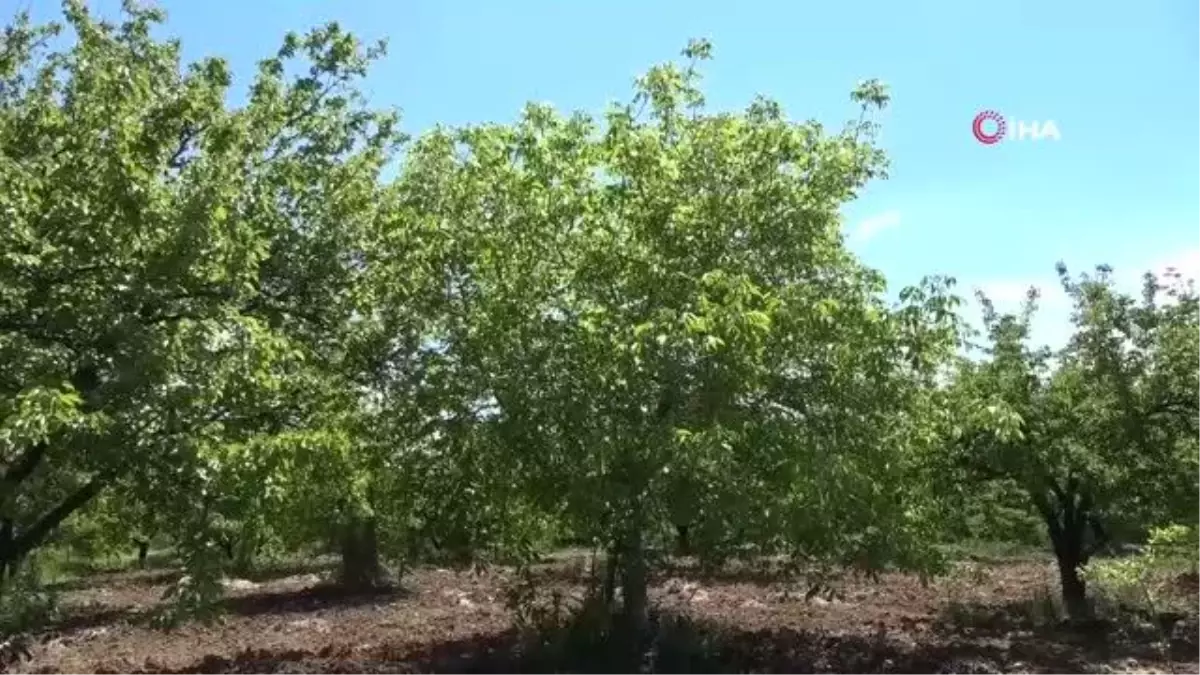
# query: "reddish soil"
{"points": [[984, 620]]}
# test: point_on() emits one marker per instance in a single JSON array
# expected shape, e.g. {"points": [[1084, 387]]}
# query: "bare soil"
{"points": [[986, 618]]}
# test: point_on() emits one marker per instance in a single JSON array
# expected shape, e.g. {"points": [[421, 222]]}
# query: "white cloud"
{"points": [[868, 228]]}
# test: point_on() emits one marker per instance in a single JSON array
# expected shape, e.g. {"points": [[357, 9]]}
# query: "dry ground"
{"points": [[987, 619]]}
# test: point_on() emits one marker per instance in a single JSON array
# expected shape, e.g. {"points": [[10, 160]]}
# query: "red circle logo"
{"points": [[982, 135]]}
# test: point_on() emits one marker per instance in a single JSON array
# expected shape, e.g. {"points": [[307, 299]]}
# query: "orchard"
{"points": [[287, 331]]}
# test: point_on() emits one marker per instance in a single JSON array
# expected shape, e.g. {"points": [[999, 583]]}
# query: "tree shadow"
{"points": [[734, 572], [578, 565], [766, 573], [674, 644], [737, 571], [315, 598], [323, 596], [1029, 625], [84, 618]]}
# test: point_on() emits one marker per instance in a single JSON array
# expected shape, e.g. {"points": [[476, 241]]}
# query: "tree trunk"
{"points": [[226, 543], [1074, 589], [360, 555], [8, 553], [631, 624], [143, 546], [612, 563], [244, 552], [635, 602], [1067, 524], [683, 544]]}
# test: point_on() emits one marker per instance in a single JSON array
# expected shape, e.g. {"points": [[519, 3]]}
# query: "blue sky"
{"points": [[1119, 79]]}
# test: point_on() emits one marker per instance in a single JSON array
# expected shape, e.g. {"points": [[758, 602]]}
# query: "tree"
{"points": [[177, 276], [657, 318], [1105, 428], [1165, 423]]}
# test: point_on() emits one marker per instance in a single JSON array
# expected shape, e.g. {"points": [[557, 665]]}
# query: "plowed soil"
{"points": [[984, 619]]}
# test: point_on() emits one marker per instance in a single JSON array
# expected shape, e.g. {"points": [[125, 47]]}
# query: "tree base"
{"points": [[361, 570]]}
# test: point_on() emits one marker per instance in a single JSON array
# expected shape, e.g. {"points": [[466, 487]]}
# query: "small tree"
{"points": [[1105, 427]]}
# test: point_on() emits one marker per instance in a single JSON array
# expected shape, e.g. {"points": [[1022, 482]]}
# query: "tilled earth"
{"points": [[979, 619]]}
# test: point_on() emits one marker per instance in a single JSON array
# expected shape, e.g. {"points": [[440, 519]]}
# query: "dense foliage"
{"points": [[1101, 434], [223, 330]]}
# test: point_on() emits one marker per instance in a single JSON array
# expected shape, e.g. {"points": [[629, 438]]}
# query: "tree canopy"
{"points": [[177, 277], [234, 321]]}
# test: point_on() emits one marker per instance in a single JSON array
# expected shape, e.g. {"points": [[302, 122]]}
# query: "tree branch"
{"points": [[1064, 500], [283, 142], [254, 306], [188, 134], [31, 331], [32, 537], [1048, 514], [23, 465]]}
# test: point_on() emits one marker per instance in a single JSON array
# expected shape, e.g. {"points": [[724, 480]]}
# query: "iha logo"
{"points": [[990, 127]]}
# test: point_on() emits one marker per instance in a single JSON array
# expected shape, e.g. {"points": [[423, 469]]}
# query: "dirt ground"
{"points": [[979, 619]]}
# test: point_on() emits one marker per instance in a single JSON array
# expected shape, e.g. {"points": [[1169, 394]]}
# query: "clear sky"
{"points": [[1119, 79]]}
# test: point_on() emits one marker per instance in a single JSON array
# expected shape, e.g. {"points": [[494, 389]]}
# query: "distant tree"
{"points": [[1101, 431]]}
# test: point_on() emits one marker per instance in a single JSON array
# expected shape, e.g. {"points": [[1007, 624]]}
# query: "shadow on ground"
{"points": [[316, 598], [757, 573], [680, 644], [460, 622], [1130, 634]]}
